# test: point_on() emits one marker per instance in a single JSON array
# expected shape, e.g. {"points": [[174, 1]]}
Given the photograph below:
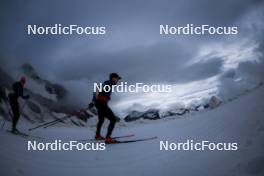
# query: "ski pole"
{"points": [[47, 123], [61, 120], [53, 122], [71, 114]]}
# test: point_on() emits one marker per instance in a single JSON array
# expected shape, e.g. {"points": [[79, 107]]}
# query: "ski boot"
{"points": [[109, 140], [15, 131], [99, 137]]}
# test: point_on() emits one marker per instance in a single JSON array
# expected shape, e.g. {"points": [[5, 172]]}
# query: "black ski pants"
{"points": [[105, 112], [15, 110]]}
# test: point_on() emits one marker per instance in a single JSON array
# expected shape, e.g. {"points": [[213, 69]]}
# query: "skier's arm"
{"points": [[24, 96], [95, 95], [21, 94], [19, 90]]}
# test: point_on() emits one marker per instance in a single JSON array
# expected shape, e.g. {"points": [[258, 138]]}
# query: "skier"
{"points": [[18, 89], [101, 99]]}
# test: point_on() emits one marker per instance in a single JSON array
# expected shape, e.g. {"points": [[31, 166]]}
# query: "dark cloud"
{"points": [[131, 25], [135, 64], [132, 46], [199, 71]]}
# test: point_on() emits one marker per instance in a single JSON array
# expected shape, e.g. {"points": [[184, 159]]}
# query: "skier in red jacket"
{"points": [[101, 102]]}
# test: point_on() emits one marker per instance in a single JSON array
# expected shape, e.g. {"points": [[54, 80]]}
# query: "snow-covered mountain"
{"points": [[154, 114], [47, 99]]}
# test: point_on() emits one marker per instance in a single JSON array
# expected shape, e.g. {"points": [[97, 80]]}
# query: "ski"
{"points": [[124, 136], [18, 133], [25, 135], [115, 137], [135, 140]]}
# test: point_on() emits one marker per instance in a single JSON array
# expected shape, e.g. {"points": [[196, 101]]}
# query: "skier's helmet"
{"points": [[114, 75]]}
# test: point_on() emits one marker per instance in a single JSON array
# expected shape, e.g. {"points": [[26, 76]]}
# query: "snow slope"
{"points": [[239, 121]]}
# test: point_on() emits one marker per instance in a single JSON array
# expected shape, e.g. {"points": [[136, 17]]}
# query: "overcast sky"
{"points": [[132, 46]]}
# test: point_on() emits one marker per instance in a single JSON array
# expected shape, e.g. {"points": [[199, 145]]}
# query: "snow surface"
{"points": [[238, 121]]}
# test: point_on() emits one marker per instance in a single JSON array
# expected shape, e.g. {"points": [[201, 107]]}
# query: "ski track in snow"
{"points": [[238, 121]]}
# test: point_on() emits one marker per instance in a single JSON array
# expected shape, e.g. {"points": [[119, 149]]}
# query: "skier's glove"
{"points": [[91, 105]]}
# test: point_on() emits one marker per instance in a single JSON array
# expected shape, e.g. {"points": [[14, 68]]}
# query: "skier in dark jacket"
{"points": [[18, 89], [101, 99]]}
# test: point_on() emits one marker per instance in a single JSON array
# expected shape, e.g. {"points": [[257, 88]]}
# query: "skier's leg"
{"points": [[16, 115], [110, 115], [100, 119], [99, 124]]}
